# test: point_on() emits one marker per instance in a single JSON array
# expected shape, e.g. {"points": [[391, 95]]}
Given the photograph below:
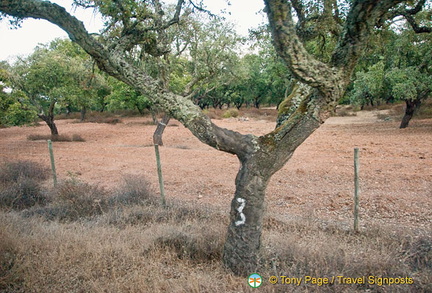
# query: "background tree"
{"points": [[57, 75], [124, 97], [15, 107], [321, 84], [43, 77], [399, 69]]}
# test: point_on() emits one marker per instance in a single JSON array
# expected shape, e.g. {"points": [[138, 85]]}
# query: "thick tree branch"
{"points": [[116, 65], [288, 45], [363, 16], [409, 14], [419, 7], [417, 29]]}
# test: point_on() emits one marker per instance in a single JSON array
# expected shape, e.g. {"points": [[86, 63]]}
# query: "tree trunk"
{"points": [[49, 120], [243, 241], [154, 117], [411, 107], [83, 113], [157, 135], [140, 109]]}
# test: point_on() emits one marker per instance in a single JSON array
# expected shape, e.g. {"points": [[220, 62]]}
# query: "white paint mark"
{"points": [[242, 220]]}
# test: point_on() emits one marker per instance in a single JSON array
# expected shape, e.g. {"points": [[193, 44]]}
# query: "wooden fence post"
{"points": [[159, 170], [356, 190], [51, 152]]}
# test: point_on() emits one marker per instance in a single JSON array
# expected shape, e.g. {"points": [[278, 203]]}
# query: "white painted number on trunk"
{"points": [[242, 220]]}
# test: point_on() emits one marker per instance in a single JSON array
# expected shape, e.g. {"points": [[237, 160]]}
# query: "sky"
{"points": [[22, 41]]}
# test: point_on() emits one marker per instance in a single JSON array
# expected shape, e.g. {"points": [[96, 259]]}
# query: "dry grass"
{"points": [[98, 117], [20, 184], [268, 114], [58, 138], [213, 113], [425, 111], [230, 113], [345, 111], [102, 117], [107, 120], [124, 241], [245, 113]]}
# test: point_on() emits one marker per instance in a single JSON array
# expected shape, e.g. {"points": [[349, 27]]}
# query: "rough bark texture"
{"points": [[49, 119], [161, 125], [411, 107], [243, 242], [260, 157]]}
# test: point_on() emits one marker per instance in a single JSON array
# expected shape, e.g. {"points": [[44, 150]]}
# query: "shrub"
{"points": [[15, 115], [58, 138], [260, 114], [73, 200], [77, 137], [135, 190], [12, 171], [102, 117], [212, 113], [9, 275], [19, 184], [34, 137], [22, 194], [419, 253], [425, 111], [231, 113], [202, 246]]}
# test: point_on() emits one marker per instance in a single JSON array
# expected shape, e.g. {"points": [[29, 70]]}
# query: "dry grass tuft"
{"points": [[8, 258], [250, 113], [58, 138], [345, 111], [260, 114], [418, 253], [134, 190], [194, 242], [230, 113], [13, 171], [425, 111], [107, 120], [22, 194], [20, 184], [102, 117], [213, 113], [72, 200]]}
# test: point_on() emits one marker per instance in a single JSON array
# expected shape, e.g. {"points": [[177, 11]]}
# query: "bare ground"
{"points": [[395, 166]]}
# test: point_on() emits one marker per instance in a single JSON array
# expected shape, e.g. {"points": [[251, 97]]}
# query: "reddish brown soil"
{"points": [[395, 165]]}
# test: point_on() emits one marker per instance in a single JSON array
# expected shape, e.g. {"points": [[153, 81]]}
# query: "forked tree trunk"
{"points": [[265, 157], [411, 107], [49, 118]]}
